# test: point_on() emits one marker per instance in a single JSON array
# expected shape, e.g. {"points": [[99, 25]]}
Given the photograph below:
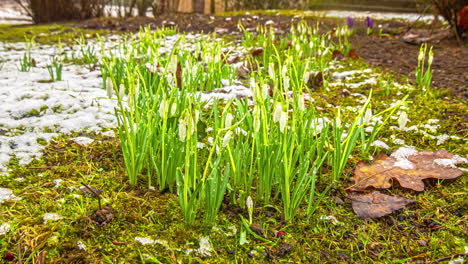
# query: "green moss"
{"points": [[45, 34]]}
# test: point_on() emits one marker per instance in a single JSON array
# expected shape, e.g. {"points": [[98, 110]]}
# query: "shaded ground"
{"points": [[449, 66]]}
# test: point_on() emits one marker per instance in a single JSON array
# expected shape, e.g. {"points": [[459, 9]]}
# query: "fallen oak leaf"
{"points": [[407, 166], [376, 204]]}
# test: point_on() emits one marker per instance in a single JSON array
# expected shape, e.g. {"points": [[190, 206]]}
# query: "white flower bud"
{"points": [[249, 203], [283, 120], [286, 83], [182, 129], [173, 108], [265, 88], [277, 112], [227, 138], [228, 120], [271, 70], [121, 90], [300, 103], [368, 115], [109, 87], [162, 108]]}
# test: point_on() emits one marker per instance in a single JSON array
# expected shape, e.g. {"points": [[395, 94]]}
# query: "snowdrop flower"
{"points": [[182, 129], [265, 88], [277, 112], [162, 108], [283, 120], [402, 120], [368, 115], [172, 66], [227, 138], [431, 57], [421, 55], [300, 103], [228, 120], [173, 108], [286, 83], [283, 71], [306, 77], [121, 90], [249, 203], [271, 70], [109, 87]]}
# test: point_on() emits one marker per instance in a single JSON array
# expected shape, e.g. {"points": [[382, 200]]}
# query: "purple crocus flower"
{"points": [[350, 22], [369, 22]]}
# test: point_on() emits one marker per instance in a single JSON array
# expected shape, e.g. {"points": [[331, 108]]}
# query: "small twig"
{"points": [[43, 167], [20, 256], [450, 257], [93, 192]]}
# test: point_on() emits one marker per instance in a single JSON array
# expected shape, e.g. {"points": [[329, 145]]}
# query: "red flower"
{"points": [[280, 234], [9, 256]]}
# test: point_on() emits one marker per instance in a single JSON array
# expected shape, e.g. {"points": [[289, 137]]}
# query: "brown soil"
{"points": [[450, 64]]}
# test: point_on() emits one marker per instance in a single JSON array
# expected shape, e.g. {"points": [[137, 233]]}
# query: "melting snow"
{"points": [[205, 248], [380, 144], [51, 217], [7, 195], [451, 162], [401, 155], [4, 229], [84, 141]]}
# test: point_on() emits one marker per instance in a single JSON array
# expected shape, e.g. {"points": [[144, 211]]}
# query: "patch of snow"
{"points": [[4, 229], [57, 182], [51, 217], [145, 241], [404, 164], [380, 144], [441, 139], [226, 93], [205, 248], [109, 133], [330, 218], [380, 15], [32, 110], [7, 195], [84, 141], [451, 162], [403, 153], [81, 245]]}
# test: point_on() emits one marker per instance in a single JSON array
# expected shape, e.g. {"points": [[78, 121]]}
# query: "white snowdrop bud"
{"points": [[431, 57], [286, 81], [249, 203], [271, 70], [182, 129], [109, 87], [173, 108], [227, 138], [228, 120], [368, 115], [121, 90], [265, 88], [301, 103], [162, 108], [277, 112], [283, 120]]}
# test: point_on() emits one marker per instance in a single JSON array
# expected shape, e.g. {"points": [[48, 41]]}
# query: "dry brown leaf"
{"points": [[376, 204], [407, 166]]}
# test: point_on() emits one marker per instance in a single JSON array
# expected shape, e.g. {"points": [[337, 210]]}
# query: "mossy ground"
{"points": [[46, 34], [432, 228]]}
